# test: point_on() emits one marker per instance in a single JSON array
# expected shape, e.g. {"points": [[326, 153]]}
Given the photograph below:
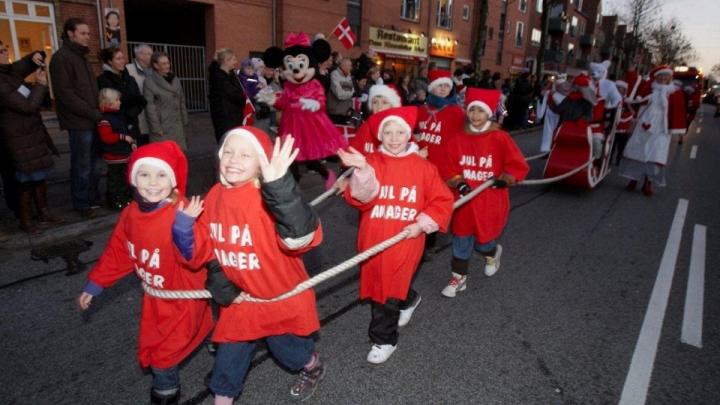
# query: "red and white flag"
{"points": [[344, 34]]}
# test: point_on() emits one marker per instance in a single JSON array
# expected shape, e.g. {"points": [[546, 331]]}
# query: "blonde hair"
{"points": [[108, 96], [224, 54]]}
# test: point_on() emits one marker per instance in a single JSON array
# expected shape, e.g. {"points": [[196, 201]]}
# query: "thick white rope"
{"points": [[535, 157], [332, 190], [556, 178]]}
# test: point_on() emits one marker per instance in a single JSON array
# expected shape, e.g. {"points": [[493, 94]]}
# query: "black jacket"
{"points": [[227, 99], [132, 100], [75, 88]]}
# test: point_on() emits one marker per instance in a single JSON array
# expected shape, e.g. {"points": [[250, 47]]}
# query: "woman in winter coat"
{"points": [[226, 94], [115, 76], [165, 111], [23, 134]]}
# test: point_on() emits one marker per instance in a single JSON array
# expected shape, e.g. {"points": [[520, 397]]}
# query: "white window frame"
{"points": [[449, 15], [519, 33], [573, 26], [520, 6], [11, 17], [403, 10], [536, 33], [539, 6], [466, 13]]}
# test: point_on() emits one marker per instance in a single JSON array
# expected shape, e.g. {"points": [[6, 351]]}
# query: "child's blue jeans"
{"points": [[462, 247]]}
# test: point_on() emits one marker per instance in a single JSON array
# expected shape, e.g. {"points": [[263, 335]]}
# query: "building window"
{"points": [[466, 12], [573, 26], [571, 50], [26, 26], [522, 6], [444, 14], [539, 6], [410, 10], [519, 31], [354, 16], [582, 28], [535, 37]]}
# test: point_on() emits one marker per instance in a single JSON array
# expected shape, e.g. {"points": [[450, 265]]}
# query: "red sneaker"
{"points": [[647, 188]]}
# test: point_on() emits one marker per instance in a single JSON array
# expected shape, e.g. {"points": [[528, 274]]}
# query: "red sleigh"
{"points": [[572, 148]]}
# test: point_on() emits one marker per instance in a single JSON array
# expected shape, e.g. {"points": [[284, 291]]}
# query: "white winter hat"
{"points": [[384, 91]]}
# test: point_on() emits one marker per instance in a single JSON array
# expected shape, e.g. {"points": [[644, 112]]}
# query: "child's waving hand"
{"points": [[282, 157], [352, 158], [195, 207]]}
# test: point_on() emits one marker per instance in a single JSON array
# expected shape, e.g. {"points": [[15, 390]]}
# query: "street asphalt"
{"points": [[560, 323]]}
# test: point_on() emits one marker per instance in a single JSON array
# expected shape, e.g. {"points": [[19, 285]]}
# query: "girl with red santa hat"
{"points": [[256, 225], [483, 152], [170, 330], [390, 201], [380, 98], [662, 116]]}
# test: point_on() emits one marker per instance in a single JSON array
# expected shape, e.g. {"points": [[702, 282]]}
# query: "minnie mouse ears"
{"points": [[296, 44]]}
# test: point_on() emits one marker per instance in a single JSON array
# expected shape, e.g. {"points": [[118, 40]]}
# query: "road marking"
{"points": [[693, 152], [693, 315], [697, 131], [638, 377]]}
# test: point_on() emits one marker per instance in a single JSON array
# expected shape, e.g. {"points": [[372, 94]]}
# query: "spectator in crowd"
{"points": [[226, 95], [266, 115], [75, 88], [166, 112], [520, 99], [506, 87], [419, 97], [374, 77], [322, 74], [388, 76], [117, 145], [249, 78], [140, 69], [7, 169], [115, 76], [406, 94], [495, 82], [23, 134], [485, 80], [362, 88], [421, 81], [340, 97]]}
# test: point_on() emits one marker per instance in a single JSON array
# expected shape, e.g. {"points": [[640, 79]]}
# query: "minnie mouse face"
{"points": [[298, 68]]}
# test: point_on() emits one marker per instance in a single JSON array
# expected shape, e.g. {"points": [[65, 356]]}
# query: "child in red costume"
{"points": [[482, 153], [169, 329], [624, 125], [257, 226], [391, 201], [380, 98]]}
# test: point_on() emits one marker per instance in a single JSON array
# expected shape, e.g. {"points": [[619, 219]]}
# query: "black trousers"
{"points": [[384, 319], [11, 187], [118, 192]]}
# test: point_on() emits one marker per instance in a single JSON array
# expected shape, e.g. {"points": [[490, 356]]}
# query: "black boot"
{"points": [[41, 202], [26, 197], [157, 399]]}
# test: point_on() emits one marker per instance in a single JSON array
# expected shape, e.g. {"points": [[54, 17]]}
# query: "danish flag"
{"points": [[344, 34]]}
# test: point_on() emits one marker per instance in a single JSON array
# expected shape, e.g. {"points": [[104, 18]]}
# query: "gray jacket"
{"points": [[339, 98], [139, 77], [165, 111]]}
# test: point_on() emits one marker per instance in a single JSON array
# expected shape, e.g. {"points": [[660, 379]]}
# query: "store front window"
{"points": [[26, 26]]}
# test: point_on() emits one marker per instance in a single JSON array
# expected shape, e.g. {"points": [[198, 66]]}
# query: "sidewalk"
{"points": [[201, 173]]}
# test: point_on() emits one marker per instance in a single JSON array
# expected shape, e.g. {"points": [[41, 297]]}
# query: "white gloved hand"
{"points": [[266, 96], [309, 104]]}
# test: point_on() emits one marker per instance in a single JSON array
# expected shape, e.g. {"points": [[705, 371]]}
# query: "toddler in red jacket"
{"points": [[256, 225], [116, 146], [482, 153], [394, 189], [170, 330]]}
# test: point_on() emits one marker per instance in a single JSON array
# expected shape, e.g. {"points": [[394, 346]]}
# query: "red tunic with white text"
{"points": [[237, 229], [142, 242], [479, 158], [409, 186], [436, 127]]}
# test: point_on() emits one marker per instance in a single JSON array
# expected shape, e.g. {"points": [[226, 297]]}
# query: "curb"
{"points": [[55, 234]]}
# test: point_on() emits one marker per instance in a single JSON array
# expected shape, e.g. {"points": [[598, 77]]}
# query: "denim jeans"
{"points": [[85, 164], [462, 247], [166, 380], [232, 360]]}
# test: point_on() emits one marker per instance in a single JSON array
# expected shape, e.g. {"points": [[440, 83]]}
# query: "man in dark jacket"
{"points": [[226, 94], [76, 94]]}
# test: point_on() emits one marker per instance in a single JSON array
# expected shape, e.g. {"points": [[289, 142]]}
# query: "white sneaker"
{"points": [[406, 314], [492, 264], [380, 353], [457, 283]]}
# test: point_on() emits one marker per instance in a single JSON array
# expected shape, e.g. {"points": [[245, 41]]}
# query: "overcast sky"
{"points": [[700, 22]]}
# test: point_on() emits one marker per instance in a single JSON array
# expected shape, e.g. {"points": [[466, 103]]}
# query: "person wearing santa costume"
{"points": [[380, 98], [390, 201], [483, 152], [608, 99], [170, 330], [624, 126], [546, 108], [662, 116], [256, 224], [576, 110]]}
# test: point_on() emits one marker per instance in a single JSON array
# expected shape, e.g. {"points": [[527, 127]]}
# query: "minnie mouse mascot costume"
{"points": [[302, 102]]}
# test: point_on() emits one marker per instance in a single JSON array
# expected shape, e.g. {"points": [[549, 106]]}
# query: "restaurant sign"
{"points": [[401, 43]]}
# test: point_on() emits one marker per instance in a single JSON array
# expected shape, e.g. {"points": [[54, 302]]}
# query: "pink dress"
{"points": [[315, 135]]}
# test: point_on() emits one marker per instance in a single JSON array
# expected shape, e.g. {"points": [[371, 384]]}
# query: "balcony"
{"points": [[587, 40], [553, 55], [556, 25]]}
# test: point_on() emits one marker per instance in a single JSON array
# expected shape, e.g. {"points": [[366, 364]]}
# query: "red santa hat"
{"points": [[405, 116], [486, 99], [661, 70], [437, 77], [257, 138], [164, 155], [582, 80], [388, 92]]}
